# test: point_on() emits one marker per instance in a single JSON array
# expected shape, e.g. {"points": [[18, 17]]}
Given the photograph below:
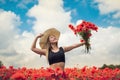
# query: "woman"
{"points": [[49, 48]]}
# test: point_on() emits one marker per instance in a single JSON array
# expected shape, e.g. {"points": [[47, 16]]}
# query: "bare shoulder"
{"points": [[64, 48]]}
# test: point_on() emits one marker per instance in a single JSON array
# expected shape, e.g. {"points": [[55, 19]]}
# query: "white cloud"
{"points": [[15, 47], [8, 30], [107, 44], [49, 14], [105, 49], [8, 27], [108, 6]]}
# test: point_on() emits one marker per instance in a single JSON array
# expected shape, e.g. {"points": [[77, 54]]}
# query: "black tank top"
{"points": [[55, 57]]}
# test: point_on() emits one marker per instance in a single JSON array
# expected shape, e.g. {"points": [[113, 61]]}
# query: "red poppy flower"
{"points": [[84, 30], [18, 76], [82, 40]]}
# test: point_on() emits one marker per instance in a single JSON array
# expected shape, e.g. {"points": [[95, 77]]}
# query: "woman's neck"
{"points": [[54, 46]]}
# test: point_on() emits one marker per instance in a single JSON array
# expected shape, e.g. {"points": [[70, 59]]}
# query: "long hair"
{"points": [[48, 47]]}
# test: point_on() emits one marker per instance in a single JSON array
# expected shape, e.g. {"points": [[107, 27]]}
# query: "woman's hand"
{"points": [[40, 35], [82, 43]]}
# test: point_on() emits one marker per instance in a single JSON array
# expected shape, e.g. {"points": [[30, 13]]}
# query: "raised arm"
{"points": [[68, 48], [37, 50]]}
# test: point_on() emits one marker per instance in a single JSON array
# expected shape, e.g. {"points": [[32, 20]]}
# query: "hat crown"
{"points": [[47, 33]]}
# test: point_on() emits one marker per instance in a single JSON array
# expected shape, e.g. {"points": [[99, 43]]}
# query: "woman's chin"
{"points": [[54, 42]]}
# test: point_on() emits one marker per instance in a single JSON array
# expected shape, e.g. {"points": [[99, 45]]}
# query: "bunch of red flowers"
{"points": [[84, 31]]}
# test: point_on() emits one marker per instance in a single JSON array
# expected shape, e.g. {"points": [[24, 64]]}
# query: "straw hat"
{"points": [[46, 34]]}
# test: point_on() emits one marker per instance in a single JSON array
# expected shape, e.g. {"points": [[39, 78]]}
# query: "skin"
{"points": [[53, 40]]}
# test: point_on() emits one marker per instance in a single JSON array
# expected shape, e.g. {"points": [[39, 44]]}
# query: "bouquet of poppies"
{"points": [[83, 29]]}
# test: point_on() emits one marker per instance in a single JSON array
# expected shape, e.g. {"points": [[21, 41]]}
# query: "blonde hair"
{"points": [[48, 47]]}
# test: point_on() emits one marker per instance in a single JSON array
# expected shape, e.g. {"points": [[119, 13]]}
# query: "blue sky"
{"points": [[88, 10], [22, 20], [80, 9]]}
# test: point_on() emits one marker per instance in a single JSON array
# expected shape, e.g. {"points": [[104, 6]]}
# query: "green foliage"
{"points": [[111, 66]]}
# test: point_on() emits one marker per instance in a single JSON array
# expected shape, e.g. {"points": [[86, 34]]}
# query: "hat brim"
{"points": [[46, 34]]}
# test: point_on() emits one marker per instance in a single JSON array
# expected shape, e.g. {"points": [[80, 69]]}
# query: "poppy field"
{"points": [[85, 73]]}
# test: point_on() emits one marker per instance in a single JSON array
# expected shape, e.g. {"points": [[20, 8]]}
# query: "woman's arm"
{"points": [[68, 48], [37, 50]]}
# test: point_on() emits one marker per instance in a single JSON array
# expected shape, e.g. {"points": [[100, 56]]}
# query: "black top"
{"points": [[55, 57]]}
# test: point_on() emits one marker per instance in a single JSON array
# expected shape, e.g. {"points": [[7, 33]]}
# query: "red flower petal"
{"points": [[82, 40]]}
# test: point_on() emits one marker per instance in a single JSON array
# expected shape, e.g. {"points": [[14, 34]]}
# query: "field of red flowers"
{"points": [[85, 73]]}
